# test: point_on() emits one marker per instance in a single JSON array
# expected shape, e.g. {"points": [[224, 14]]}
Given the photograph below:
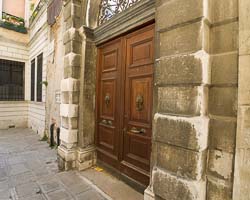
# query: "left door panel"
{"points": [[108, 98]]}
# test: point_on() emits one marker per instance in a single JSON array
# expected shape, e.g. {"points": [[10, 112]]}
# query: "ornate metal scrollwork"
{"points": [[109, 8], [139, 102], [107, 99]]}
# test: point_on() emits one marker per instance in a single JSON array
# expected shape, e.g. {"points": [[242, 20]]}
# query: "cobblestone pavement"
{"points": [[28, 171]]}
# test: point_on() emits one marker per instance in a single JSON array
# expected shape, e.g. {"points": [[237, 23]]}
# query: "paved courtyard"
{"points": [[28, 171]]}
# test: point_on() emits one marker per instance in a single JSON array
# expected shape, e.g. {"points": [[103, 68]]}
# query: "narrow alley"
{"points": [[28, 171]]}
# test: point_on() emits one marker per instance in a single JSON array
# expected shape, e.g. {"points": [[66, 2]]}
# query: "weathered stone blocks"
{"points": [[70, 85], [181, 100], [184, 39], [179, 69], [244, 74], [68, 136], [222, 134], [224, 38], [176, 12], [222, 10], [220, 164], [72, 59], [181, 162], [71, 10], [189, 133], [71, 34], [69, 110], [217, 190], [223, 101], [171, 187], [224, 69]]}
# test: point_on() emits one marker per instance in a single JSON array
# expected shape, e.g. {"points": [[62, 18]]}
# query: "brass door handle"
{"points": [[136, 131], [105, 122]]}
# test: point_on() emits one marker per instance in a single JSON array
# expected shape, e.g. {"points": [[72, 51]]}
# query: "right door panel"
{"points": [[138, 104]]}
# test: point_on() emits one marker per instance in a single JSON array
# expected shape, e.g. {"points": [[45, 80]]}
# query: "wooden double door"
{"points": [[124, 103]]}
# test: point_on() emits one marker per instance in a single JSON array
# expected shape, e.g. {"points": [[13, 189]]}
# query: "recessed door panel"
{"points": [[124, 103], [108, 99]]}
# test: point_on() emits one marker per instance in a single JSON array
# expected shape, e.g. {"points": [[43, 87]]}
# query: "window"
{"points": [[36, 79], [11, 80], [33, 66], [39, 75], [109, 8]]}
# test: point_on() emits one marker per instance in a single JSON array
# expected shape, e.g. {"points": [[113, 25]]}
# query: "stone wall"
{"points": [[242, 160], [54, 73], [182, 77], [222, 98]]}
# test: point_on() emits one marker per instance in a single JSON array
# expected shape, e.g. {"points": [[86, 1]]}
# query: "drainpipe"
{"points": [[52, 126], [58, 136]]}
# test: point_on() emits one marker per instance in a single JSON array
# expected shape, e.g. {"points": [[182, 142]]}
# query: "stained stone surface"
{"points": [[28, 171]]}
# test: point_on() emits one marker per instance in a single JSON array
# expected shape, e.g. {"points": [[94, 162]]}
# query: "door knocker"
{"points": [[107, 99], [139, 102]]}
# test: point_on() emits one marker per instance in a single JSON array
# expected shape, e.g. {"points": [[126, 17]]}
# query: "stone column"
{"points": [[242, 160], [86, 154], [222, 98], [70, 85], [182, 77]]}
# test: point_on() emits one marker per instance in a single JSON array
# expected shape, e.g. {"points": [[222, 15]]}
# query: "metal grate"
{"points": [[11, 80], [109, 8], [39, 78]]}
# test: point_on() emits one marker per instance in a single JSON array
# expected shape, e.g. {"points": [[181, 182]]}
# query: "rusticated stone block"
{"points": [[171, 187], [223, 101], [181, 162], [222, 134], [71, 9], [220, 164], [69, 110], [72, 59], [224, 38], [73, 46], [189, 133], [72, 71], [244, 77], [69, 123], [218, 191], [179, 11], [243, 136], [180, 69], [181, 40], [70, 85], [71, 34], [223, 10], [242, 174], [224, 69], [180, 100], [68, 136]]}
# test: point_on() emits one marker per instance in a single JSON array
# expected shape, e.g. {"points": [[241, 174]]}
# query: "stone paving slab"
{"points": [[28, 171]]}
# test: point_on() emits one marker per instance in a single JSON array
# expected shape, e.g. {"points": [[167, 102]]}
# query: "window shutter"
{"points": [[32, 84], [39, 78], [54, 10]]}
